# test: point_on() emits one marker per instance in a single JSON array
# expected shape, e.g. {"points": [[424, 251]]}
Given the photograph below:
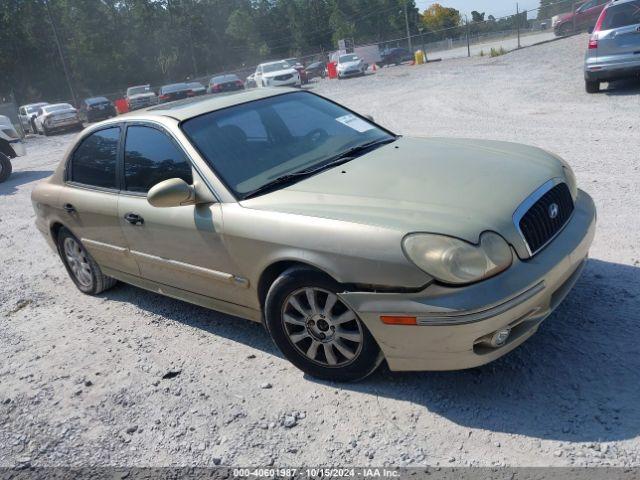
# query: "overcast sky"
{"points": [[497, 8]]}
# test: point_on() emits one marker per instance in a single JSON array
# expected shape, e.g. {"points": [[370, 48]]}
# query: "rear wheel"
{"points": [[591, 86], [81, 266], [315, 330], [565, 30], [5, 167]]}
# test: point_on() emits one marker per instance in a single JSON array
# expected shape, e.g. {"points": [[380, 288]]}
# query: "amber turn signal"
{"points": [[398, 320]]}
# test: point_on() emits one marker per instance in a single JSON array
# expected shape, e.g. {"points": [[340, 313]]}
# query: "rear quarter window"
{"points": [[618, 16], [94, 161]]}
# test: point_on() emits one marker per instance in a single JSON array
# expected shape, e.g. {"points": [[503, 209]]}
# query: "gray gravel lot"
{"points": [[133, 378]]}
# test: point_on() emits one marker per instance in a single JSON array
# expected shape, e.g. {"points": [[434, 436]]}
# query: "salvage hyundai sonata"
{"points": [[352, 244]]}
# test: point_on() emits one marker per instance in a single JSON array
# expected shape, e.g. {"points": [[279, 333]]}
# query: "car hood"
{"points": [[287, 71], [562, 17], [456, 187]]}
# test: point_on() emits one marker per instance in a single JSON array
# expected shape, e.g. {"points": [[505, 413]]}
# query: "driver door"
{"points": [[181, 246]]}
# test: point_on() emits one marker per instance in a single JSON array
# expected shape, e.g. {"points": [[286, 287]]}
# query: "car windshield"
{"points": [[274, 67], [175, 87], [33, 108], [138, 90], [623, 15], [57, 108], [252, 144], [348, 58], [224, 79]]}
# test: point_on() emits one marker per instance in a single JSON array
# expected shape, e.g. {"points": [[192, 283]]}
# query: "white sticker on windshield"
{"points": [[354, 122]]}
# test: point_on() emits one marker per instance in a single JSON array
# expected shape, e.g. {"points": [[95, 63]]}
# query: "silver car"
{"points": [[614, 45], [351, 243]]}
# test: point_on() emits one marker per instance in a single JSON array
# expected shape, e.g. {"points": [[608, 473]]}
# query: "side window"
{"points": [[150, 157], [22, 112], [94, 161]]}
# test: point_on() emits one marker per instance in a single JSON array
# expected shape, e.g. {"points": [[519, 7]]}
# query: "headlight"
{"points": [[455, 261], [570, 177]]}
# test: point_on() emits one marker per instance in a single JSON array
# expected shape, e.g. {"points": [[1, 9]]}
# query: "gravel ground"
{"points": [[133, 378]]}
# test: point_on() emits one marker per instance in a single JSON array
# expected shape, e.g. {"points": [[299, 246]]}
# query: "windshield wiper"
{"points": [[336, 160]]}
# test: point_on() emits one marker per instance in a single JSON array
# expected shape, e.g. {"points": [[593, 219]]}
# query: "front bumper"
{"points": [[452, 321]]}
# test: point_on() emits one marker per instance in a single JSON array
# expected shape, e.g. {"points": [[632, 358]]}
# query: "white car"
{"points": [[27, 115], [11, 146], [59, 116], [276, 74], [351, 65]]}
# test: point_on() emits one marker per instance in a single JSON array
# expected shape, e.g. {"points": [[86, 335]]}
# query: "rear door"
{"points": [[90, 199], [619, 38], [180, 246]]}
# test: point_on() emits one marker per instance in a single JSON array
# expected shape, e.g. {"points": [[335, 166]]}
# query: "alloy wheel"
{"points": [[78, 262], [321, 327]]}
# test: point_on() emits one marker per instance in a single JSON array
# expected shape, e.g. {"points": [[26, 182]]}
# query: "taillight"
{"points": [[239, 83], [164, 97], [593, 43], [190, 93], [215, 88]]}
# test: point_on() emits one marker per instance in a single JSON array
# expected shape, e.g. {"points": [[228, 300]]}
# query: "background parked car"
{"points": [[351, 65], [297, 64], [250, 81], [56, 117], [196, 89], [95, 109], [584, 18], [225, 83], [27, 115], [11, 146], [395, 56], [277, 74], [614, 45], [140, 96], [174, 91], [316, 69]]}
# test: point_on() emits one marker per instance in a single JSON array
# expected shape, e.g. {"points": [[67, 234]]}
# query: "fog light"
{"points": [[500, 337]]}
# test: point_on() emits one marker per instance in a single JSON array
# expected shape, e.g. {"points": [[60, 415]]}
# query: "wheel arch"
{"points": [[275, 269]]}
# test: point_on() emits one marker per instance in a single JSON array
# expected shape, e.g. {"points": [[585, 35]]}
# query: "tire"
{"points": [[591, 87], [89, 278], [33, 125], [565, 30], [5, 167], [45, 131], [347, 352]]}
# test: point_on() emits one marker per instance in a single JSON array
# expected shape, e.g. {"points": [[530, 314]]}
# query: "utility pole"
{"points": [[468, 39], [406, 22], [62, 60], [518, 22]]}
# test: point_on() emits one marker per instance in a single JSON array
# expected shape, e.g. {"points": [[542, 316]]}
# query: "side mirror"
{"points": [[369, 117], [171, 193]]}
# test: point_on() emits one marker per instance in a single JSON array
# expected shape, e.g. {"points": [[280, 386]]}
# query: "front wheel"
{"points": [[81, 266], [591, 87], [5, 167], [315, 330]]}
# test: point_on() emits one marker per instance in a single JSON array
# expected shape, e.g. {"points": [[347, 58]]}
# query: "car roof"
{"points": [[224, 76], [195, 106], [96, 99], [273, 63], [38, 104]]}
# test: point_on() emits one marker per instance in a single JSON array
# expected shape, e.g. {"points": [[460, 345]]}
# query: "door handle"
{"points": [[69, 208], [134, 218]]}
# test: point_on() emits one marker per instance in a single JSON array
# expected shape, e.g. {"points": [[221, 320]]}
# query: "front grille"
{"points": [[539, 225], [282, 78]]}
